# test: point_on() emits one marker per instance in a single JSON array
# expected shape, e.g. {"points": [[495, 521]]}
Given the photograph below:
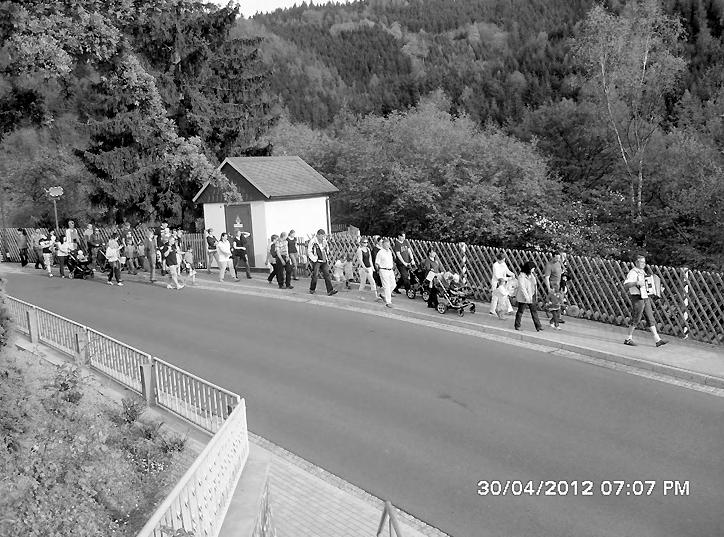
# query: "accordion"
{"points": [[653, 286]]}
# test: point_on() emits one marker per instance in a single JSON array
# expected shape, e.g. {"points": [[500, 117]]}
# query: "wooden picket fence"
{"points": [[692, 305]]}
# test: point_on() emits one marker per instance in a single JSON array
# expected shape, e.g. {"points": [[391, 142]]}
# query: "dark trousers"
{"points": [[432, 299], [114, 269], [61, 264], [284, 273], [238, 259], [39, 263], [273, 272], [378, 281], [404, 280], [23, 257], [533, 313], [324, 268]]}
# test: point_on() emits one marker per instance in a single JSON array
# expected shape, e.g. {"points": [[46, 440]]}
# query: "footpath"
{"points": [[307, 501]]}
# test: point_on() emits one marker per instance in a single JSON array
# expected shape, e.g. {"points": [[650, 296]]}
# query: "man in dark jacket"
{"points": [[239, 253]]}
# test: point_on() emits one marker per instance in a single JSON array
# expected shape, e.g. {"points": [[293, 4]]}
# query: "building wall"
{"points": [[261, 236], [305, 216], [215, 217]]}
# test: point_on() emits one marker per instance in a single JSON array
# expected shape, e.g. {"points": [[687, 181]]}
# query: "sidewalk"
{"points": [[690, 361]]}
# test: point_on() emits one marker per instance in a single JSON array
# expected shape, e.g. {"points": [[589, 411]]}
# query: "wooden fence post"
{"points": [[148, 383], [33, 326], [686, 302], [464, 275]]}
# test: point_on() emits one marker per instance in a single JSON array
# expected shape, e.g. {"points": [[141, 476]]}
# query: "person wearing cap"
{"points": [[385, 266], [319, 257], [47, 243], [366, 267]]}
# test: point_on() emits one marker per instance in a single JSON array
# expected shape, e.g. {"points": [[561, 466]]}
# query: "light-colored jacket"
{"points": [[526, 288], [313, 250]]}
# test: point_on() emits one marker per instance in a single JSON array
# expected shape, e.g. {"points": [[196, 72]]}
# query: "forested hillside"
{"points": [[538, 123], [525, 70]]}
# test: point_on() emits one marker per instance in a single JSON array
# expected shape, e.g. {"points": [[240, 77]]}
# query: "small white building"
{"points": [[279, 193]]}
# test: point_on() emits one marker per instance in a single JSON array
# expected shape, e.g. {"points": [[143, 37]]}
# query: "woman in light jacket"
{"points": [[224, 259], [527, 286]]}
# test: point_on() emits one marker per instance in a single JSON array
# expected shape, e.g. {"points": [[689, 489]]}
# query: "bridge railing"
{"points": [[198, 503]]}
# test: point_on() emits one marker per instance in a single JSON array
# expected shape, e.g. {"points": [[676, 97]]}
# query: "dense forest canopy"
{"points": [[634, 158], [593, 126]]}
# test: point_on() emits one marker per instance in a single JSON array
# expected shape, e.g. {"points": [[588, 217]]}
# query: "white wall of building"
{"points": [[261, 236], [215, 217], [304, 216]]}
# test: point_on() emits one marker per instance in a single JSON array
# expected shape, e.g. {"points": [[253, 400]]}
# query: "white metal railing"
{"points": [[58, 332], [19, 311], [191, 397], [200, 499], [119, 361]]}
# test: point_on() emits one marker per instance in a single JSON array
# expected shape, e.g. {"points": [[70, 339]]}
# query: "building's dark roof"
{"points": [[268, 178]]}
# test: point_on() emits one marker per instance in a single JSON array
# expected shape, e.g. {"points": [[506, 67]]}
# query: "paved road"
{"points": [[419, 416]]}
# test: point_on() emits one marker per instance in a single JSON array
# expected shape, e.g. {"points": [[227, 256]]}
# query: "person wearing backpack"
{"points": [[635, 284]]}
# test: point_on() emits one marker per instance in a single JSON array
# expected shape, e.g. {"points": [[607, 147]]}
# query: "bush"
{"points": [[72, 465]]}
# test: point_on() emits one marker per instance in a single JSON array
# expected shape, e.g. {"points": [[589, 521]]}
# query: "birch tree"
{"points": [[630, 63]]}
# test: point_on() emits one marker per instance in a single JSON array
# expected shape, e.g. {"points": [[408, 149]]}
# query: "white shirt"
{"points": [[384, 259], [500, 272], [224, 250], [637, 275]]}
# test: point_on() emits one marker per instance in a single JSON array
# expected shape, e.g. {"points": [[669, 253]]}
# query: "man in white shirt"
{"points": [[384, 264], [635, 283], [500, 272]]}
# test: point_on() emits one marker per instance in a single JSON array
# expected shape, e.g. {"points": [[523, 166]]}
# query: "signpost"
{"points": [[54, 193]]}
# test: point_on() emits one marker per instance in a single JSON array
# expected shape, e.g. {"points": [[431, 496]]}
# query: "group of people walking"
{"points": [[376, 260]]}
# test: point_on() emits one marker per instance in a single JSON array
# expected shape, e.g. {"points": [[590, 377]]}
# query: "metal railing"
{"points": [[119, 361], [191, 397], [199, 501]]}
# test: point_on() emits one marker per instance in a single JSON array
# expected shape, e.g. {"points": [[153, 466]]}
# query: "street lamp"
{"points": [[54, 193]]}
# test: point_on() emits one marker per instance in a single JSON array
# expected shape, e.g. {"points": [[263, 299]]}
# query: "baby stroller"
{"points": [[418, 284], [451, 297], [79, 266]]}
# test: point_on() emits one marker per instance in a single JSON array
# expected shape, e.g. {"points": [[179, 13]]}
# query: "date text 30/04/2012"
{"points": [[613, 487]]}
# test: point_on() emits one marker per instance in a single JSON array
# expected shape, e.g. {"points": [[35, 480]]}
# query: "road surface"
{"points": [[419, 416]]}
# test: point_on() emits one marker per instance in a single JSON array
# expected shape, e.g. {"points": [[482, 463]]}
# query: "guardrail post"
{"points": [[148, 383], [81, 347], [33, 326]]}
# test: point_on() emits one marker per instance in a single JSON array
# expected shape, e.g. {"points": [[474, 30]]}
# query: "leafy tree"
{"points": [[630, 67]]}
